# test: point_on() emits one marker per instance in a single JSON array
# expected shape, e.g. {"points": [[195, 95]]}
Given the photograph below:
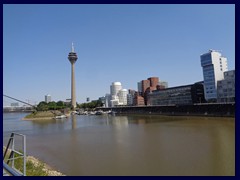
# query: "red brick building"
{"points": [[145, 85], [153, 81], [138, 100]]}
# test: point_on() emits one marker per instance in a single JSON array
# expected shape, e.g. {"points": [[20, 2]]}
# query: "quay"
{"points": [[204, 109]]}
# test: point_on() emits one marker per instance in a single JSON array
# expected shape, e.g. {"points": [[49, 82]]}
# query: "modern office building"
{"points": [[72, 57], [47, 98], [188, 94], [226, 87], [139, 84], [213, 65]]}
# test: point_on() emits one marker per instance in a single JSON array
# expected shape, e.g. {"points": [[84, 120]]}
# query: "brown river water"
{"points": [[130, 145]]}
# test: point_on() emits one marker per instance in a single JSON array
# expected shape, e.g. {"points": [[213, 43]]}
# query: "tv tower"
{"points": [[72, 56]]}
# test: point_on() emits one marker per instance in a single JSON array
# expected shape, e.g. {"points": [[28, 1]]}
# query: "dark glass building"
{"points": [[188, 94]]}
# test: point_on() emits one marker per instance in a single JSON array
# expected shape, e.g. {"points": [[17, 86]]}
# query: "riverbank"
{"points": [[49, 171], [35, 167]]}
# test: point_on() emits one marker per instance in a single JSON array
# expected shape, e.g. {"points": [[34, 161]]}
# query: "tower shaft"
{"points": [[73, 89]]}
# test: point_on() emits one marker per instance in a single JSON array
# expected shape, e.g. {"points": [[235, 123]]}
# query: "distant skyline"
{"points": [[125, 43]]}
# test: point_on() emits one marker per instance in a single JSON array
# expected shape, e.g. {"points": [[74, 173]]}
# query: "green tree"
{"points": [[52, 105], [92, 104], [42, 106], [60, 105]]}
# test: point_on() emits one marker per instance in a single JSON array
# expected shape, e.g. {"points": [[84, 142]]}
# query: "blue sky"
{"points": [[125, 43]]}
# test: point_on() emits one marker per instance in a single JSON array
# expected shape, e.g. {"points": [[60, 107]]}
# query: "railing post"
{"points": [[13, 150], [24, 155]]}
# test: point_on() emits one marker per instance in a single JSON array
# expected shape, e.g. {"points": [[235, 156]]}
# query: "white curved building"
{"points": [[115, 88], [122, 95]]}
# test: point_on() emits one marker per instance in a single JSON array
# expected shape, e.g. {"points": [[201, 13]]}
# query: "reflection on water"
{"points": [[74, 121], [130, 145]]}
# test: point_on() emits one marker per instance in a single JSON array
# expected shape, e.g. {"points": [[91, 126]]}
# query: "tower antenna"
{"points": [[72, 47]]}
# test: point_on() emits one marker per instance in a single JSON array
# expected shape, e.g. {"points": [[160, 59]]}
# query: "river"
{"points": [[130, 145]]}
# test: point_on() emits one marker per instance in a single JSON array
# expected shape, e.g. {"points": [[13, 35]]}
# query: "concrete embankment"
{"points": [[210, 109]]}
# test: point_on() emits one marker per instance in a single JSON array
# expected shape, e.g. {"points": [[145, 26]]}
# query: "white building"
{"points": [[115, 88], [118, 96], [107, 100], [114, 102], [122, 94], [213, 65], [226, 87], [47, 98]]}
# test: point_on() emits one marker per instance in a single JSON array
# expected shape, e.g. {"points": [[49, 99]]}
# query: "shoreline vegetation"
{"points": [[35, 167], [207, 109], [44, 115]]}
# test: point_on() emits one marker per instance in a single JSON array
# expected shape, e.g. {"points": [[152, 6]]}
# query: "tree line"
{"points": [[44, 106]]}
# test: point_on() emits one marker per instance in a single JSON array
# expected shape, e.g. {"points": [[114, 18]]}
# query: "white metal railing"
{"points": [[9, 162]]}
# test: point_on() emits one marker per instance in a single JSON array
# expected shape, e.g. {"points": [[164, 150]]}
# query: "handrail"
{"points": [[10, 170]]}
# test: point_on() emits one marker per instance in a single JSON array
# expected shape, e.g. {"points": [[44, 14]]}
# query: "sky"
{"points": [[125, 43]]}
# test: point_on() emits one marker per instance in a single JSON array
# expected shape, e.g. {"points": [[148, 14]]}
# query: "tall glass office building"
{"points": [[213, 65]]}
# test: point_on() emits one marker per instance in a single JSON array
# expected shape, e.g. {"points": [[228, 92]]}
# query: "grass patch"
{"points": [[40, 114], [33, 166]]}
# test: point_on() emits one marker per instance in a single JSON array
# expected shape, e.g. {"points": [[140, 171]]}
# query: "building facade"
{"points": [[188, 94], [153, 81], [138, 100], [213, 66], [130, 97], [139, 84], [226, 87], [47, 98], [145, 85], [122, 95], [115, 88], [107, 100]]}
